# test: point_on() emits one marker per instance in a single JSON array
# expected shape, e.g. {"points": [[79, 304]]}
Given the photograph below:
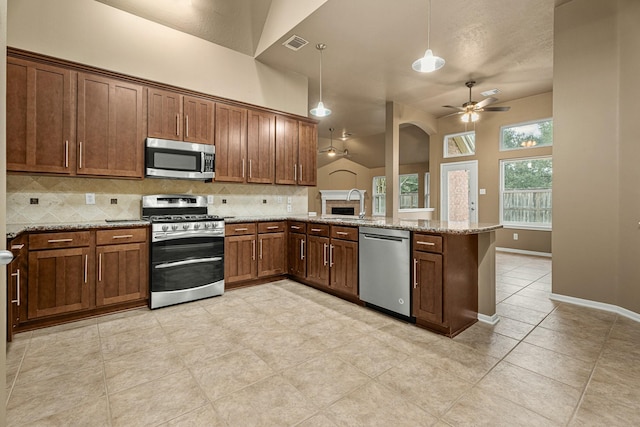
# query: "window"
{"points": [[407, 194], [527, 135], [460, 144], [525, 192]]}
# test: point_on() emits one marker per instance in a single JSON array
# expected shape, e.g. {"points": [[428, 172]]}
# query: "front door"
{"points": [[459, 191]]}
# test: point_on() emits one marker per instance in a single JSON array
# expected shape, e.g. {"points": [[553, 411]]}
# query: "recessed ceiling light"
{"points": [[489, 92]]}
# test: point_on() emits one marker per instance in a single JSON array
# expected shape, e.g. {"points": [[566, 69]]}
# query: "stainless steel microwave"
{"points": [[180, 160]]}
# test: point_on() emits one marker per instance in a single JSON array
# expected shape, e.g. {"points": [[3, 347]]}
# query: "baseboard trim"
{"points": [[523, 252], [490, 320], [597, 305]]}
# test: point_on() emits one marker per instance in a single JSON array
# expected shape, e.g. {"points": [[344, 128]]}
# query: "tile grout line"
{"points": [[15, 378], [104, 377]]}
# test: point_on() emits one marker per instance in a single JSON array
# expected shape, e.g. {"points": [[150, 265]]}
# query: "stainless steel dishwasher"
{"points": [[384, 263]]}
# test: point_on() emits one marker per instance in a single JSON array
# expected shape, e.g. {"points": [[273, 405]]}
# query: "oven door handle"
{"points": [[187, 262], [162, 236]]}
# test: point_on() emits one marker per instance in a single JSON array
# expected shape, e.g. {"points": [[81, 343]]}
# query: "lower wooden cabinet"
{"points": [[344, 266], [271, 249], [427, 286], [296, 249]]}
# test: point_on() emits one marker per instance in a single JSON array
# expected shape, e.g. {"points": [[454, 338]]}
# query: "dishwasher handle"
{"points": [[381, 237]]}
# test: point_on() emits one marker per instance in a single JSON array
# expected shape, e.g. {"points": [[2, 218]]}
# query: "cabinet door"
{"points": [[318, 260], [307, 153], [122, 273], [344, 266], [110, 137], [271, 254], [286, 150], [59, 281], [40, 117], [198, 120], [427, 286], [231, 143], [240, 258], [297, 255], [261, 146], [164, 113]]}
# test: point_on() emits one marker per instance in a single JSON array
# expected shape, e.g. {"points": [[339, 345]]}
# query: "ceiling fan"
{"points": [[332, 151], [470, 109]]}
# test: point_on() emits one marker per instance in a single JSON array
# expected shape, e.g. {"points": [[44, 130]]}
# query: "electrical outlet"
{"points": [[288, 208], [224, 201], [114, 201], [90, 198], [210, 199], [515, 236], [264, 201], [34, 201], [289, 200], [279, 199]]}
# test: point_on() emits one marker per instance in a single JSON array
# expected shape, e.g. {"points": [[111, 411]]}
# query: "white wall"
{"points": [[96, 34]]}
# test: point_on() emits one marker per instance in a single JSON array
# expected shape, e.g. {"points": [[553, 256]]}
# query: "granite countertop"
{"points": [[433, 226]]}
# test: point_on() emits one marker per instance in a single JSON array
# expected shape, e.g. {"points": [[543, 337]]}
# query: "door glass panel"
{"points": [[458, 200]]}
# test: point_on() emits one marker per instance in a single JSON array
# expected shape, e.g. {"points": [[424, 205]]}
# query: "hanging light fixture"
{"points": [[320, 110], [428, 62], [470, 116]]}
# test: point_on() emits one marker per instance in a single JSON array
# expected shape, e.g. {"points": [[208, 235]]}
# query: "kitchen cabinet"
{"points": [[240, 252], [445, 281], [61, 269], [171, 115], [123, 265], [318, 254], [296, 151], [261, 147], [296, 250], [231, 143], [40, 117], [110, 127], [343, 260], [16, 284], [271, 248]]}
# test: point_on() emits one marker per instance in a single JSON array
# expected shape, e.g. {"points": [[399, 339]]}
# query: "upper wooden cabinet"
{"points": [[171, 115], [40, 117], [231, 143], [261, 147], [296, 151], [110, 127]]}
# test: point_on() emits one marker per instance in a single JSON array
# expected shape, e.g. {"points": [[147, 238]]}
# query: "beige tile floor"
{"points": [[284, 354]]}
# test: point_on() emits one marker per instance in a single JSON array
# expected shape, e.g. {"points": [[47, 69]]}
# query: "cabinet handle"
{"points": [[272, 227], [66, 154], [249, 168], [186, 130], [302, 249], [342, 233], [241, 229], [86, 267], [59, 240], [295, 227], [324, 253], [316, 229], [426, 243], [177, 124], [301, 178], [243, 168], [295, 172], [17, 276], [330, 255], [253, 249], [123, 236], [17, 247], [415, 273], [260, 248], [80, 162], [100, 267]]}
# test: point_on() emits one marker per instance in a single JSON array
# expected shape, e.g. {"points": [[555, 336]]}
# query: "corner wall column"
{"points": [[392, 158]]}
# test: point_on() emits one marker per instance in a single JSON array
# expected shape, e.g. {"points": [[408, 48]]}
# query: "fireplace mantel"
{"points": [[337, 195]]}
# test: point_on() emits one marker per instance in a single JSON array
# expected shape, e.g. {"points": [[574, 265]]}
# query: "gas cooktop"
{"points": [[183, 218]]}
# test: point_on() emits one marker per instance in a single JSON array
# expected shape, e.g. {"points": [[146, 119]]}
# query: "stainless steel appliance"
{"points": [[384, 263], [176, 159], [187, 249]]}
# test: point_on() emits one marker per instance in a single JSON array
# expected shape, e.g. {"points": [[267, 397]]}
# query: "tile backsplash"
{"points": [[62, 199]]}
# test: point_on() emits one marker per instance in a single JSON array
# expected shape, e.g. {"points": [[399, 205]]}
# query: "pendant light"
{"points": [[320, 110], [428, 63]]}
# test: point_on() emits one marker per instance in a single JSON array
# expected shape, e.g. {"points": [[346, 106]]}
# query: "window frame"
{"points": [[445, 145], [516, 225], [375, 194], [529, 122]]}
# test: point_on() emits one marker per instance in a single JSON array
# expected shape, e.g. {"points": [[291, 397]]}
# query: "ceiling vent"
{"points": [[295, 42]]}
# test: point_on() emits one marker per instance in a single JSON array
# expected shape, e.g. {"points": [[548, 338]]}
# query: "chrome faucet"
{"points": [[362, 211]]}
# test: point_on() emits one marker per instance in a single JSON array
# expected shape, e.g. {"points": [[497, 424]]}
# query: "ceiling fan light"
{"points": [[331, 152], [320, 110], [470, 117], [428, 63]]}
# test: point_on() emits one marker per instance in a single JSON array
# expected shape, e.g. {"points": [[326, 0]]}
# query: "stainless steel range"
{"points": [[187, 249]]}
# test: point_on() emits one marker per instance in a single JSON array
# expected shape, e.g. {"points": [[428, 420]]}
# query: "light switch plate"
{"points": [[483, 191], [90, 198], [210, 199], [288, 208]]}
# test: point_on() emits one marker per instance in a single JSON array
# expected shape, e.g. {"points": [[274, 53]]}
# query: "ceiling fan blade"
{"points": [[486, 101], [455, 108], [453, 114], [496, 108]]}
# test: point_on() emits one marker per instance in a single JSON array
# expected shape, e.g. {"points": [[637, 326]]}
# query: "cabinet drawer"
{"points": [[297, 227], [344, 233], [72, 239], [318, 230], [121, 235], [427, 243], [240, 229], [271, 227]]}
